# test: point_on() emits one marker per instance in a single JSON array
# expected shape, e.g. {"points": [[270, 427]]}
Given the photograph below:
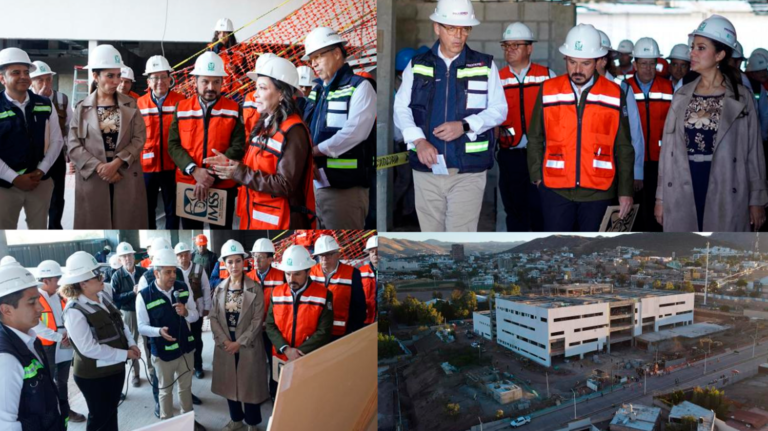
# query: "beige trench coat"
{"points": [[85, 147], [737, 179], [246, 382]]}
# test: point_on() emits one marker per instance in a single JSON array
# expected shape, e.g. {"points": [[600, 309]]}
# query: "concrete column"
{"points": [[3, 243], [384, 123], [92, 44]]}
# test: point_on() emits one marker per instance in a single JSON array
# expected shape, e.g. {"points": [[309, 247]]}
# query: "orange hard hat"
{"points": [[201, 240]]}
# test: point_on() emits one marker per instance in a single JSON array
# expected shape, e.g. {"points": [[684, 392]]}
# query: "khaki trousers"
{"points": [[129, 317], [449, 203], [35, 204], [166, 373], [342, 208]]}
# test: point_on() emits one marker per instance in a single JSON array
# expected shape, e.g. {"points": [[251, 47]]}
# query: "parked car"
{"points": [[522, 420], [475, 345]]}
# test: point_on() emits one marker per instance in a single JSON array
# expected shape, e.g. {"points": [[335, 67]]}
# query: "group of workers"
{"points": [[683, 137], [61, 318], [298, 153]]}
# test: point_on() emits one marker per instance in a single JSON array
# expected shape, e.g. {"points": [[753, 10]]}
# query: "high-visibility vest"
{"points": [[272, 280], [23, 135], [154, 155], [340, 285], [297, 323], [260, 210], [250, 114], [145, 263], [49, 320], [521, 98], [134, 94], [368, 273], [199, 137], [580, 151], [653, 112], [624, 76]]}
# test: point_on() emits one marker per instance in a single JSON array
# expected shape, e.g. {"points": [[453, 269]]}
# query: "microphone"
{"points": [[176, 296]]}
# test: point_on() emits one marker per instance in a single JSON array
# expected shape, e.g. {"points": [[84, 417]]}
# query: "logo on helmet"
{"points": [[211, 67], [290, 262], [578, 46], [233, 248], [117, 59]]}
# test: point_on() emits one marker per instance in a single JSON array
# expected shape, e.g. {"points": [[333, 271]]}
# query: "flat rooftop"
{"points": [[687, 408], [618, 295], [688, 331], [637, 416]]}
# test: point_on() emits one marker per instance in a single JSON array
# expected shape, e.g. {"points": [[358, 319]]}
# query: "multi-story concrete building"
{"points": [[543, 327], [482, 324], [457, 252]]}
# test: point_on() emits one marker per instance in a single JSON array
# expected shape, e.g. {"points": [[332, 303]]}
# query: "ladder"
{"points": [[78, 81]]}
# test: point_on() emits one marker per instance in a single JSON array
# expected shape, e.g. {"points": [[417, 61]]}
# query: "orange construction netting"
{"points": [[355, 20], [352, 243]]}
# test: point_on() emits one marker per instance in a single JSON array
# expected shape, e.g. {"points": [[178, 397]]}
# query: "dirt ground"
{"points": [[750, 393]]}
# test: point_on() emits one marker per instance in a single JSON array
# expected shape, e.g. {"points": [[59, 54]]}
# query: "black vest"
{"points": [[162, 314], [22, 143]]}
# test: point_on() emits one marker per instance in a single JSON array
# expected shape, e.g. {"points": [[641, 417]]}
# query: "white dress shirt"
{"points": [[13, 381], [142, 316], [635, 127], [42, 331], [521, 78], [203, 303], [360, 121]]}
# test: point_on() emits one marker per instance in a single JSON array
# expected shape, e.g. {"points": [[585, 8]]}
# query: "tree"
{"points": [[640, 283], [388, 346], [499, 414], [437, 295], [657, 284], [741, 283], [725, 308], [389, 296], [621, 279], [452, 409], [513, 289], [688, 287], [740, 292], [670, 286]]}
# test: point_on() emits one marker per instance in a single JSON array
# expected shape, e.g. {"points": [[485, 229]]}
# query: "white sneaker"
{"points": [[234, 426]]}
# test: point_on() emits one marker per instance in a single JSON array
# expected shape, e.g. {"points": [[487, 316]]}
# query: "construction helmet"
{"points": [[717, 28], [127, 73], [263, 245], [14, 279], [626, 46], [738, 52], [42, 69], [105, 57], [306, 76], [181, 247], [319, 38], [583, 41], [680, 51], [762, 51], [9, 261], [48, 269], [646, 47], [81, 266], [209, 64], [231, 248], [326, 244], [373, 242], [605, 41], [164, 257], [403, 58], [114, 262], [296, 258], [157, 63], [277, 68], [224, 24], [757, 62], [518, 31], [10, 56], [201, 240], [454, 12], [158, 244], [124, 248]]}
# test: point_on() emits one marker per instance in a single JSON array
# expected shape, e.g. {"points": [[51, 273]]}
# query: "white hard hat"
{"points": [[680, 51], [80, 266], [48, 269], [306, 76], [9, 261], [373, 242], [717, 28], [16, 56], [605, 41], [114, 262], [158, 244], [319, 38], [762, 51], [583, 41], [277, 68], [518, 31], [626, 46], [127, 73], [296, 258], [455, 12], [124, 248], [181, 247], [165, 257], [224, 24], [14, 279], [209, 64], [231, 248], [646, 47], [757, 62], [325, 244], [157, 63], [105, 57], [738, 52], [42, 69], [263, 245]]}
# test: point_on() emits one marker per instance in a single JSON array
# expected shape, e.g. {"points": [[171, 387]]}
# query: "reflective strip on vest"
{"points": [[476, 147], [184, 294], [223, 113], [556, 98], [339, 323], [511, 131], [155, 111], [527, 80], [249, 104], [602, 98], [473, 71], [173, 346], [275, 145], [342, 164], [266, 218], [557, 164], [31, 369], [185, 114], [191, 339], [317, 279], [341, 93], [7, 114], [653, 96], [312, 95], [154, 304], [366, 274], [286, 299], [601, 164], [273, 283], [424, 70], [41, 109], [341, 281], [313, 300]]}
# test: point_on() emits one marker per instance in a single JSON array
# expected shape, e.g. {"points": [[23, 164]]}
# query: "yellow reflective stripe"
{"points": [[154, 304], [41, 109], [173, 346], [476, 147], [342, 163], [191, 339], [7, 114], [424, 70], [184, 294], [341, 93], [474, 71], [312, 95], [31, 369]]}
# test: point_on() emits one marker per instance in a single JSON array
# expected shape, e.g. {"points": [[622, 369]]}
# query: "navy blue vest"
{"points": [[39, 406], [440, 95], [162, 314], [22, 143], [326, 112]]}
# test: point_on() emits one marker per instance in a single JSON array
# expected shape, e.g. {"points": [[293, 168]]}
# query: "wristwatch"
{"points": [[192, 169], [466, 126]]}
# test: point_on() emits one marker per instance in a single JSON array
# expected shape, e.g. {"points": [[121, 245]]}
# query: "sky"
{"points": [[467, 237]]}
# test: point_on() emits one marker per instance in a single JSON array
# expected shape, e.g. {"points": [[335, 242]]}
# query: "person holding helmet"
{"points": [[126, 82], [276, 173], [237, 320], [157, 108], [203, 125], [521, 80], [340, 113], [679, 64], [53, 335], [588, 159], [203, 255], [107, 164], [369, 273], [28, 395], [708, 190], [197, 281], [29, 145], [655, 98], [626, 68], [101, 339], [458, 140], [346, 284]]}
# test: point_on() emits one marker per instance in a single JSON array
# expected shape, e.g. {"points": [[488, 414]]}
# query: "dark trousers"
{"points": [[519, 196], [563, 215], [268, 349], [646, 221], [60, 374], [58, 173], [194, 224], [166, 182], [102, 396], [239, 411], [197, 332]]}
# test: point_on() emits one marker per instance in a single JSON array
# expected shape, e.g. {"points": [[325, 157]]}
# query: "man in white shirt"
{"points": [[197, 281]]}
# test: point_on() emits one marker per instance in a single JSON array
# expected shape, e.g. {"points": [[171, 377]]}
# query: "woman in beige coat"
{"points": [[711, 166], [106, 136], [239, 361]]}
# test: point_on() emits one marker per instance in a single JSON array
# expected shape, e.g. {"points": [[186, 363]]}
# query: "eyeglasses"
{"points": [[513, 46], [453, 31], [158, 78], [316, 55], [645, 65]]}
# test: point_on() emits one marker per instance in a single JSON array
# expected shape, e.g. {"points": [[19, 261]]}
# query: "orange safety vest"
{"points": [[48, 320], [653, 112], [341, 287], [579, 151], [625, 76], [369, 287], [154, 156], [305, 317], [134, 94], [274, 278], [146, 263], [199, 139], [765, 85], [521, 98], [260, 210], [250, 114]]}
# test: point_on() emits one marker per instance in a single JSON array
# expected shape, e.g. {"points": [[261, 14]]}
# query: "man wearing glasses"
{"points": [[448, 103], [157, 108]]}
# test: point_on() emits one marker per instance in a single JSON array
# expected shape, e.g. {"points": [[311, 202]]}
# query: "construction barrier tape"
{"points": [[391, 160]]}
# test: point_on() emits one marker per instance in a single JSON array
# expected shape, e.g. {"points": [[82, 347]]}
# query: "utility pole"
{"points": [[706, 276], [645, 383], [754, 344], [547, 375], [481, 423], [574, 403]]}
